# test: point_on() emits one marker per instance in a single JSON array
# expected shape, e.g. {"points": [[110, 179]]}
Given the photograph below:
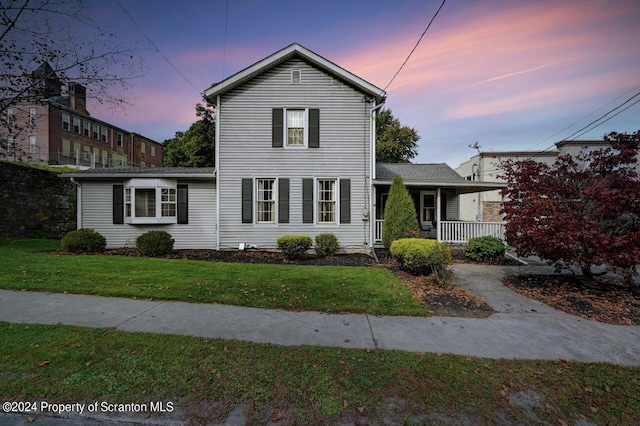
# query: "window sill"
{"points": [[151, 220]]}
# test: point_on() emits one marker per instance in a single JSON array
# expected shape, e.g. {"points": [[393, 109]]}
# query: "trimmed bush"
{"points": [[484, 248], [293, 246], [400, 217], [326, 244], [155, 243], [84, 241], [422, 257]]}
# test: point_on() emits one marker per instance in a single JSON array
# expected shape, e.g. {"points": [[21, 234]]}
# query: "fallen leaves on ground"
{"points": [[600, 299]]}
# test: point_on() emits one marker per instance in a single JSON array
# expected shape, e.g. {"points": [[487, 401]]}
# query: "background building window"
{"points": [[120, 139], [104, 134], [86, 128], [33, 112], [11, 145], [66, 121], [33, 146], [9, 116], [76, 125], [96, 130]]}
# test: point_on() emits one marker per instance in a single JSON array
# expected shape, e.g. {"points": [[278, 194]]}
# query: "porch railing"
{"points": [[460, 232], [456, 231]]}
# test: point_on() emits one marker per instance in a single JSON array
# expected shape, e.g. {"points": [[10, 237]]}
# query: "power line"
{"points": [[157, 48], [595, 123], [609, 112], [588, 115], [414, 47]]}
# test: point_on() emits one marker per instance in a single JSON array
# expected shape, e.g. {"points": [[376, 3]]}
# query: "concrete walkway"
{"points": [[521, 329]]}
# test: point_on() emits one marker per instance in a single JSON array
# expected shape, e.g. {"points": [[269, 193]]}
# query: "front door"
{"points": [[427, 209]]}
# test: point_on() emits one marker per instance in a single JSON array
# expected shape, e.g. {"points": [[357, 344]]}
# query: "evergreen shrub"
{"points": [[326, 244], [293, 246], [84, 241], [155, 243]]}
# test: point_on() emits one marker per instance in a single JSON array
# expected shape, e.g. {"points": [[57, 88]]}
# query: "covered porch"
{"points": [[435, 190]]}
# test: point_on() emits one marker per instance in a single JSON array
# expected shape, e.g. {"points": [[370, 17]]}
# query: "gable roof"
{"points": [[295, 51], [438, 175]]}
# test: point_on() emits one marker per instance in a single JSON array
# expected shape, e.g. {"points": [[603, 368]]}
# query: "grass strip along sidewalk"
{"points": [[332, 289], [208, 378]]}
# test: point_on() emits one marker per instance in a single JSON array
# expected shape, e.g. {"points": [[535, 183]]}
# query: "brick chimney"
{"points": [[78, 97]]}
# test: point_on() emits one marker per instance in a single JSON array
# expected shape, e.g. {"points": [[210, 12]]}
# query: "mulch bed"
{"points": [[600, 299]]}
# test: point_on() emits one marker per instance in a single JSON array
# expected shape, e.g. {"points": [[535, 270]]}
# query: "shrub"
{"points": [[155, 243], [421, 257], [484, 248], [293, 246], [326, 244], [400, 217], [84, 241]]}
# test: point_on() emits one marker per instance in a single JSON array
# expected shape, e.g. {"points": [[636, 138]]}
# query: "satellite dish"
{"points": [[475, 146]]}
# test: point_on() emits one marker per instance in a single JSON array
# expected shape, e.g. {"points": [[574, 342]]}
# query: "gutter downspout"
{"points": [[217, 168], [78, 203]]}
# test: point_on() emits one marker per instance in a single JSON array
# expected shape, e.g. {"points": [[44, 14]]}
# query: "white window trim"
{"points": [[77, 120], [305, 129], [33, 144], [316, 202], [10, 116], [275, 201], [86, 128], [158, 185]]}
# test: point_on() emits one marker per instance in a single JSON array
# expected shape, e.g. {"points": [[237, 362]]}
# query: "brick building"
{"points": [[55, 128]]}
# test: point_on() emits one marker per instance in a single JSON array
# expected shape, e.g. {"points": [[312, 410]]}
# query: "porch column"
{"points": [[438, 218]]}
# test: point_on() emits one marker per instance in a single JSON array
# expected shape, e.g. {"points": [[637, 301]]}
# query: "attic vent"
{"points": [[296, 76]]}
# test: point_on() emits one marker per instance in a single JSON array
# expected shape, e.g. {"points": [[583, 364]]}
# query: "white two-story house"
{"points": [[295, 154]]}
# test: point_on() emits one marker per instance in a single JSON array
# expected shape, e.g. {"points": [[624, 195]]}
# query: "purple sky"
{"points": [[512, 75]]}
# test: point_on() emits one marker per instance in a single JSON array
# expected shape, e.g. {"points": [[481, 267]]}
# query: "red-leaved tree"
{"points": [[582, 211]]}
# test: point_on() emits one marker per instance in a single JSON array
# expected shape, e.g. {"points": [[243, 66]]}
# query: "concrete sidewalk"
{"points": [[521, 329]]}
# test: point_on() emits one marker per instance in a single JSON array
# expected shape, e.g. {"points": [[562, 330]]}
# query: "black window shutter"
{"points": [[345, 200], [118, 204], [314, 128], [283, 200], [277, 127], [247, 200], [183, 204], [307, 200]]}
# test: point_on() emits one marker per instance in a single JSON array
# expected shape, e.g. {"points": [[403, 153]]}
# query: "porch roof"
{"points": [[430, 175], [147, 172]]}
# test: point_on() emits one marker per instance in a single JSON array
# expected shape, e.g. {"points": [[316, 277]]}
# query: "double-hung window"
{"points": [[266, 201], [326, 201], [66, 121], [33, 113], [76, 125], [86, 128], [11, 145], [120, 139], [9, 116], [104, 134], [33, 145], [96, 130], [296, 124]]}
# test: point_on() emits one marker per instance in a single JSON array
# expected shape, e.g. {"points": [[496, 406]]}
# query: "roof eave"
{"points": [[285, 54]]}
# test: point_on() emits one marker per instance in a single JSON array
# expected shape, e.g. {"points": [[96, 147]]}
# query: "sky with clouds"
{"points": [[509, 74]]}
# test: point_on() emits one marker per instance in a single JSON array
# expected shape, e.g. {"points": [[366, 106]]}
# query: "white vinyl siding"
{"points": [[245, 150], [200, 233]]}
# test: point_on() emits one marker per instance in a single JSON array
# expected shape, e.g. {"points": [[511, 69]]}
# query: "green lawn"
{"points": [[26, 266], [308, 385]]}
